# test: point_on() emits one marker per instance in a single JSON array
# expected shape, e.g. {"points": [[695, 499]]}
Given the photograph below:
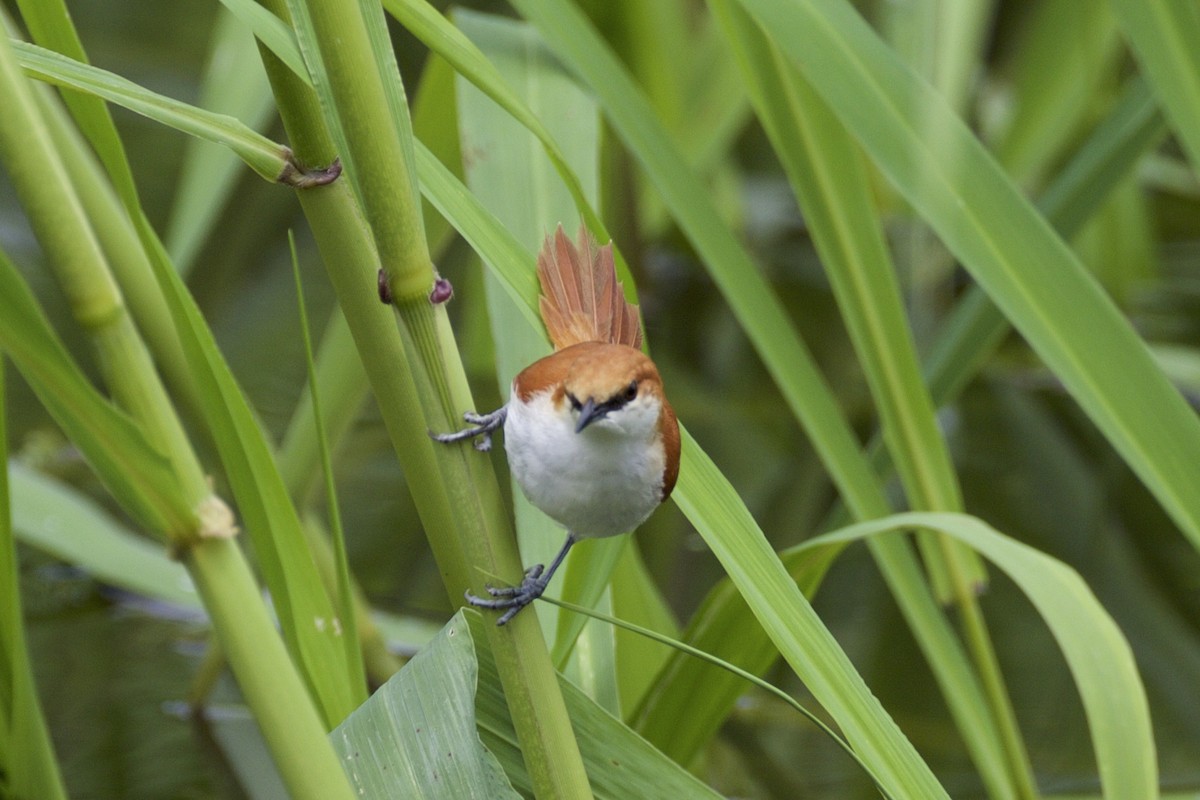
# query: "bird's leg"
{"points": [[514, 598], [484, 425]]}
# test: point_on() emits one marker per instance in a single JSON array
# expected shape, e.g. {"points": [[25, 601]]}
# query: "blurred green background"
{"points": [[114, 670]]}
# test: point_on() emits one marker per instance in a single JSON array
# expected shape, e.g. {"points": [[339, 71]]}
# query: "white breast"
{"points": [[602, 481]]}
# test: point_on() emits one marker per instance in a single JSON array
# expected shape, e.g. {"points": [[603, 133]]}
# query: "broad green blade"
{"points": [[1097, 653], [137, 474], [56, 518], [975, 327], [420, 734], [416, 736], [620, 764], [1006, 245], [506, 162], [499, 249], [267, 158]]}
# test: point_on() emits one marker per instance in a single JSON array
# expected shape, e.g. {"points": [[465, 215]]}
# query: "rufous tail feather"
{"points": [[582, 300]]}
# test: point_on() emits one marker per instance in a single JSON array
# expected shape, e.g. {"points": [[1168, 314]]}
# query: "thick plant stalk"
{"points": [[271, 685], [416, 376]]}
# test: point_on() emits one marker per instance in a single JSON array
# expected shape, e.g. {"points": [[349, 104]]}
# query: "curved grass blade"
{"points": [[272, 32], [424, 22], [49, 22], [234, 83], [1096, 652], [824, 168], [736, 540]]}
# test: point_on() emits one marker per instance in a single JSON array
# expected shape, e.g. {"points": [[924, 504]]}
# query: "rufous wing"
{"points": [[582, 300]]}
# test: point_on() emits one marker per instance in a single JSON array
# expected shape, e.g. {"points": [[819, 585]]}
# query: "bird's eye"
{"points": [[630, 391], [574, 401]]}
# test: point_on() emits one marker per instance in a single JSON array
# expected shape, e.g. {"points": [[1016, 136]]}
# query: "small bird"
{"points": [[590, 436]]}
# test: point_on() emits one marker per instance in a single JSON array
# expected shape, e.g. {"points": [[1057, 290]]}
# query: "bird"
{"points": [[589, 434]]}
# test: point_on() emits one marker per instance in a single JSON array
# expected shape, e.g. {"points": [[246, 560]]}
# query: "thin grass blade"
{"points": [[269, 159], [27, 758]]}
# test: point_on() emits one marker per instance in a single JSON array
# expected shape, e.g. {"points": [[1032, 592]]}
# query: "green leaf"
{"points": [[416, 736], [269, 159], [1011, 250], [345, 595], [424, 22], [712, 505], [55, 518], [1066, 52], [620, 764], [975, 327], [498, 248], [420, 734], [50, 24], [1099, 658]]}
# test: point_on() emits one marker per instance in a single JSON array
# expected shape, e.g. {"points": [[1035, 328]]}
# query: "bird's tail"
{"points": [[582, 300]]}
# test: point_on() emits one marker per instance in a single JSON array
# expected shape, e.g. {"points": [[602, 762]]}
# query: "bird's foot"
{"points": [[512, 599], [483, 427]]}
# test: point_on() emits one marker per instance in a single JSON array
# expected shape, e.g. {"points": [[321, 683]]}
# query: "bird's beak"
{"points": [[589, 412]]}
